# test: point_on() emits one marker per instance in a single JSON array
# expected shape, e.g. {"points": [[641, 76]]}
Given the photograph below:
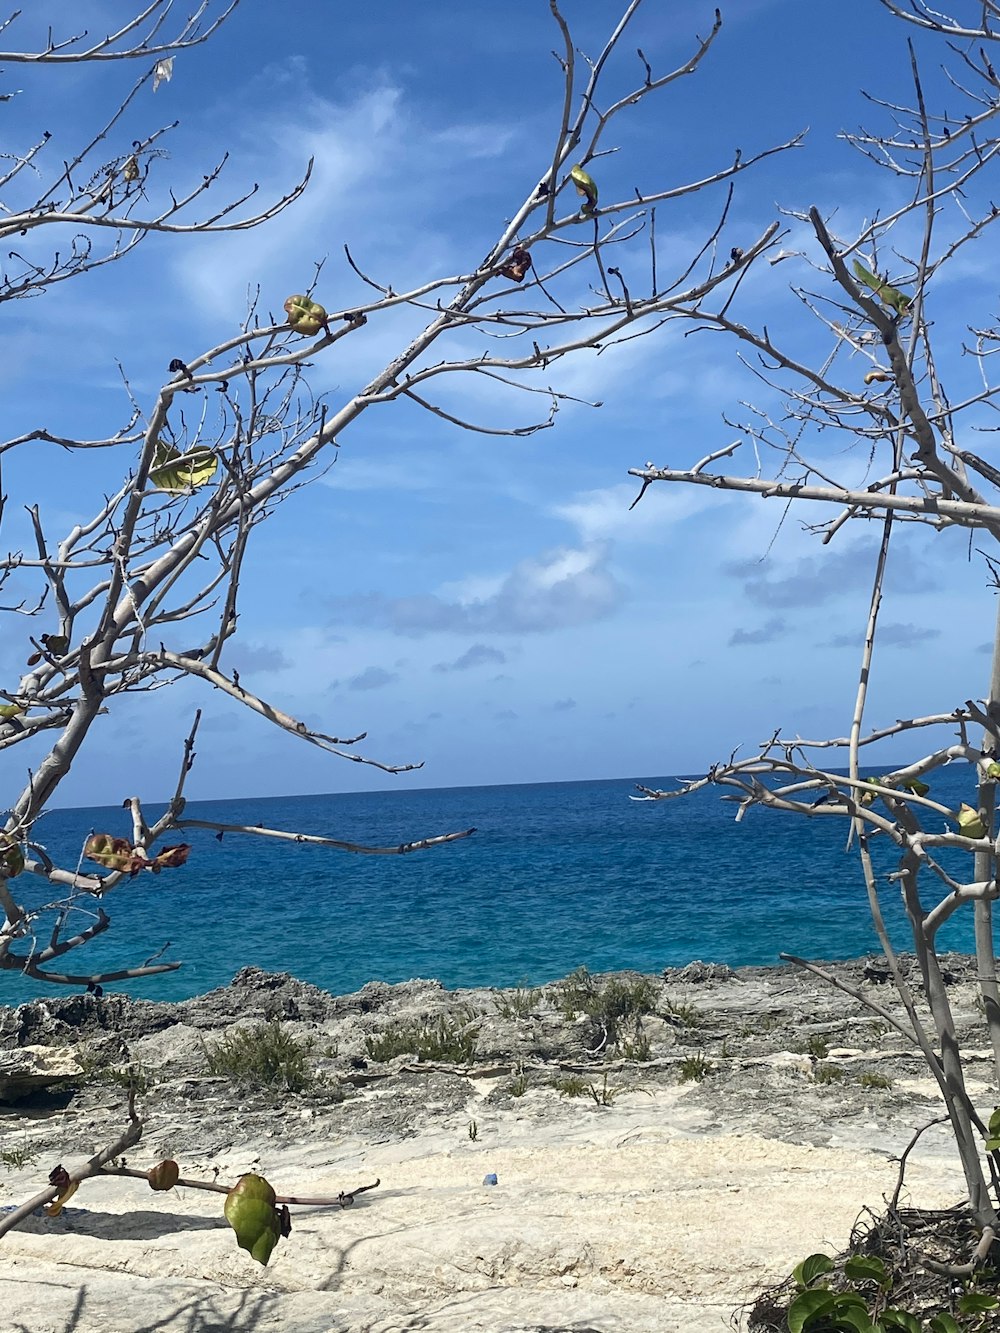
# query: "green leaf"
{"points": [[969, 823], [585, 185], [890, 296], [110, 852], [854, 1321], [992, 1145], [7, 711], [866, 1268], [994, 1123], [806, 1273], [993, 770], [807, 1307], [180, 473], [848, 1300], [250, 1211], [916, 786], [944, 1323], [11, 857], [900, 1319], [977, 1302], [305, 315]]}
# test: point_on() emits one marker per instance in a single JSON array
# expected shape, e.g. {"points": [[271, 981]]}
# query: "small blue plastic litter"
{"points": [[490, 1178]]}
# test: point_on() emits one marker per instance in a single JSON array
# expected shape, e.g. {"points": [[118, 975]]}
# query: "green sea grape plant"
{"points": [[876, 376]]}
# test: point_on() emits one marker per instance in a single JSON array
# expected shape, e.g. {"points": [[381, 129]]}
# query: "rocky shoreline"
{"points": [[466, 1078]]}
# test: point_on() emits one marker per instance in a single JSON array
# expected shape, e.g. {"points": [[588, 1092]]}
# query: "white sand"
{"points": [[623, 1218]]}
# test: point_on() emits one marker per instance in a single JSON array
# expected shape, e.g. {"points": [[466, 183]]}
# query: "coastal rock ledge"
{"points": [[663, 1147]]}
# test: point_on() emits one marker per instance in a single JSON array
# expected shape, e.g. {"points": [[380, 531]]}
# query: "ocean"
{"points": [[557, 876]]}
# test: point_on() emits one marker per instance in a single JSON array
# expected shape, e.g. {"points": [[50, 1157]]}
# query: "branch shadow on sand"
{"points": [[202, 1314]]}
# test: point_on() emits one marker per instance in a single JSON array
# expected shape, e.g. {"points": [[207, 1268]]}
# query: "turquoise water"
{"points": [[558, 875]]}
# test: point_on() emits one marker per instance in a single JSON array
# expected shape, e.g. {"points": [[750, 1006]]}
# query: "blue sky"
{"points": [[489, 605]]}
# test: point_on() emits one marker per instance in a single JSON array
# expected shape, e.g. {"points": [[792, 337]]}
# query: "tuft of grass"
{"points": [[603, 1095], [871, 1079], [570, 1085], [635, 1048], [517, 1004], [610, 1006], [815, 1044], [449, 1040], [129, 1078], [263, 1056], [687, 1015], [829, 1074], [519, 1084], [694, 1068], [14, 1158]]}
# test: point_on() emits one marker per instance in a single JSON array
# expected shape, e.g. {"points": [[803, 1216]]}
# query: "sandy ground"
{"points": [[664, 1211], [621, 1220]]}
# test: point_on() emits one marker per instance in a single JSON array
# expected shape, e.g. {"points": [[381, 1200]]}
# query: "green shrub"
{"points": [[14, 1158], [687, 1015], [608, 1006], [829, 1074], [448, 1040], [263, 1056], [517, 1003], [871, 1079]]}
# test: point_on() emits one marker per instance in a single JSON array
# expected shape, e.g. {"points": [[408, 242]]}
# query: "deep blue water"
{"points": [[558, 875]]}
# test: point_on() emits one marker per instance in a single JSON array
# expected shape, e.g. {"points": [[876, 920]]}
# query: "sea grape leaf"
{"points": [[994, 1123], [178, 472], [970, 825], [54, 1208], [976, 1302], [164, 1175], [806, 1273], [170, 857], [109, 852], [250, 1211], [888, 295], [517, 266], [585, 185], [808, 1306], [119, 854], [866, 1268], [11, 857], [993, 770], [900, 1319], [8, 711], [853, 1320], [916, 786], [305, 315], [944, 1323]]}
